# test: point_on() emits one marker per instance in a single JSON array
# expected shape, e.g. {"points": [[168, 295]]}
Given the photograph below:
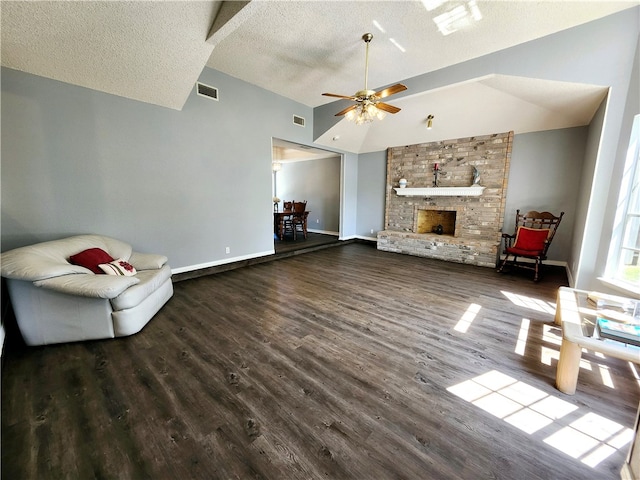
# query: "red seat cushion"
{"points": [[529, 241], [524, 253], [91, 258]]}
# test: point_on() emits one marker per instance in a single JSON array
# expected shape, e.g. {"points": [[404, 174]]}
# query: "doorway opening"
{"points": [[304, 173]]}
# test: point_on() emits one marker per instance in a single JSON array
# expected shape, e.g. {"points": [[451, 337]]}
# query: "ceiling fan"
{"points": [[368, 105]]}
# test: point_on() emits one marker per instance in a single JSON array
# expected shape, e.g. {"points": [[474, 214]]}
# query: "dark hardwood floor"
{"points": [[343, 363]]}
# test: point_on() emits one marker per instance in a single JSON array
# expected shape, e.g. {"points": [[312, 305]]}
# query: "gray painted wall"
{"points": [[317, 182], [545, 176], [184, 183], [349, 195], [584, 194], [372, 175]]}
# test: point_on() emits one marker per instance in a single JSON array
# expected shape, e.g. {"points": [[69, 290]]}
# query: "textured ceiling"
{"points": [[301, 49], [148, 51], [154, 51]]}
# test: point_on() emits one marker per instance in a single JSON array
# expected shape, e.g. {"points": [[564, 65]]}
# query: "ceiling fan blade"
{"points": [[347, 110], [397, 88], [338, 96], [387, 108]]}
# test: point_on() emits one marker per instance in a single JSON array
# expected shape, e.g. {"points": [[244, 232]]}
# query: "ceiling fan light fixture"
{"points": [[368, 106], [365, 113]]}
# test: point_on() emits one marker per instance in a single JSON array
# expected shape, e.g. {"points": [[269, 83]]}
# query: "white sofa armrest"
{"points": [[147, 261], [29, 264], [89, 285]]}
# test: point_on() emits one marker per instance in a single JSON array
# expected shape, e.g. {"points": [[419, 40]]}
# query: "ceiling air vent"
{"points": [[207, 91], [298, 120]]}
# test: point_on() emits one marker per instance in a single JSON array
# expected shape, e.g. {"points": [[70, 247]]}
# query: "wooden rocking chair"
{"points": [[531, 239]]}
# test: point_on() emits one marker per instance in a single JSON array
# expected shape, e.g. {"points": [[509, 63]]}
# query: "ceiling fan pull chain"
{"points": [[366, 68], [367, 37]]}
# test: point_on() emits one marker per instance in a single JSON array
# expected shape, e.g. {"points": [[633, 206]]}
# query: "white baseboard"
{"points": [[570, 277], [324, 232], [363, 237], [221, 262]]}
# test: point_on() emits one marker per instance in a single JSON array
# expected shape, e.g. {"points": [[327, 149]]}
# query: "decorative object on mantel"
{"points": [[473, 191], [403, 182], [430, 122], [476, 177], [436, 173]]}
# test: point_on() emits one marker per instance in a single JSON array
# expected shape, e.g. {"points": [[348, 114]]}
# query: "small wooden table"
{"points": [[578, 318]]}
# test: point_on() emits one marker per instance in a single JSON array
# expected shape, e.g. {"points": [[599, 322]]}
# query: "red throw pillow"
{"points": [[531, 238], [91, 258]]}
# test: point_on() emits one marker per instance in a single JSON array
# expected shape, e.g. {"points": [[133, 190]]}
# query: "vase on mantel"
{"points": [[403, 182]]}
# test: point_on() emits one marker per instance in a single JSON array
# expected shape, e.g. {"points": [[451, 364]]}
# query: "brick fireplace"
{"points": [[450, 223]]}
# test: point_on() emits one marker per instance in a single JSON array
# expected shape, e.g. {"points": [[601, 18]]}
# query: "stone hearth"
{"points": [[471, 224]]}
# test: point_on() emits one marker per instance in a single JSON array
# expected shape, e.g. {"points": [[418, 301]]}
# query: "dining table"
{"points": [[279, 219]]}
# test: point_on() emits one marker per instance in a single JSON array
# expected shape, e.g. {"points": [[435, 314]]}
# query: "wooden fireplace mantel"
{"points": [[473, 191]]}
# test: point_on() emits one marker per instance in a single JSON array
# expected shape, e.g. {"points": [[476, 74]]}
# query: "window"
{"points": [[623, 266]]}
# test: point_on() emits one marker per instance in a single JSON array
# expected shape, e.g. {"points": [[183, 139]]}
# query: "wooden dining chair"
{"points": [[286, 221], [299, 218]]}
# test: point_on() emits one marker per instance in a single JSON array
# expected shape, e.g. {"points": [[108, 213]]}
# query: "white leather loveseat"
{"points": [[57, 301]]}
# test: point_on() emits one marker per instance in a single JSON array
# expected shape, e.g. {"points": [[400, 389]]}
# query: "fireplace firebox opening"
{"points": [[429, 221]]}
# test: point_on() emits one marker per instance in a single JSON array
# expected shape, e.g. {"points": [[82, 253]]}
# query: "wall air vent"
{"points": [[298, 120], [207, 91]]}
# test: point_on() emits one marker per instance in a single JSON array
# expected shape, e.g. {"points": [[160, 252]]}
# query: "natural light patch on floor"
{"points": [[521, 344], [467, 319], [552, 334], [547, 354], [531, 303], [634, 372], [590, 439], [605, 374]]}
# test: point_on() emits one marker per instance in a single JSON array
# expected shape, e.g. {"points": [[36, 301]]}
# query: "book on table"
{"points": [[619, 331], [607, 300]]}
